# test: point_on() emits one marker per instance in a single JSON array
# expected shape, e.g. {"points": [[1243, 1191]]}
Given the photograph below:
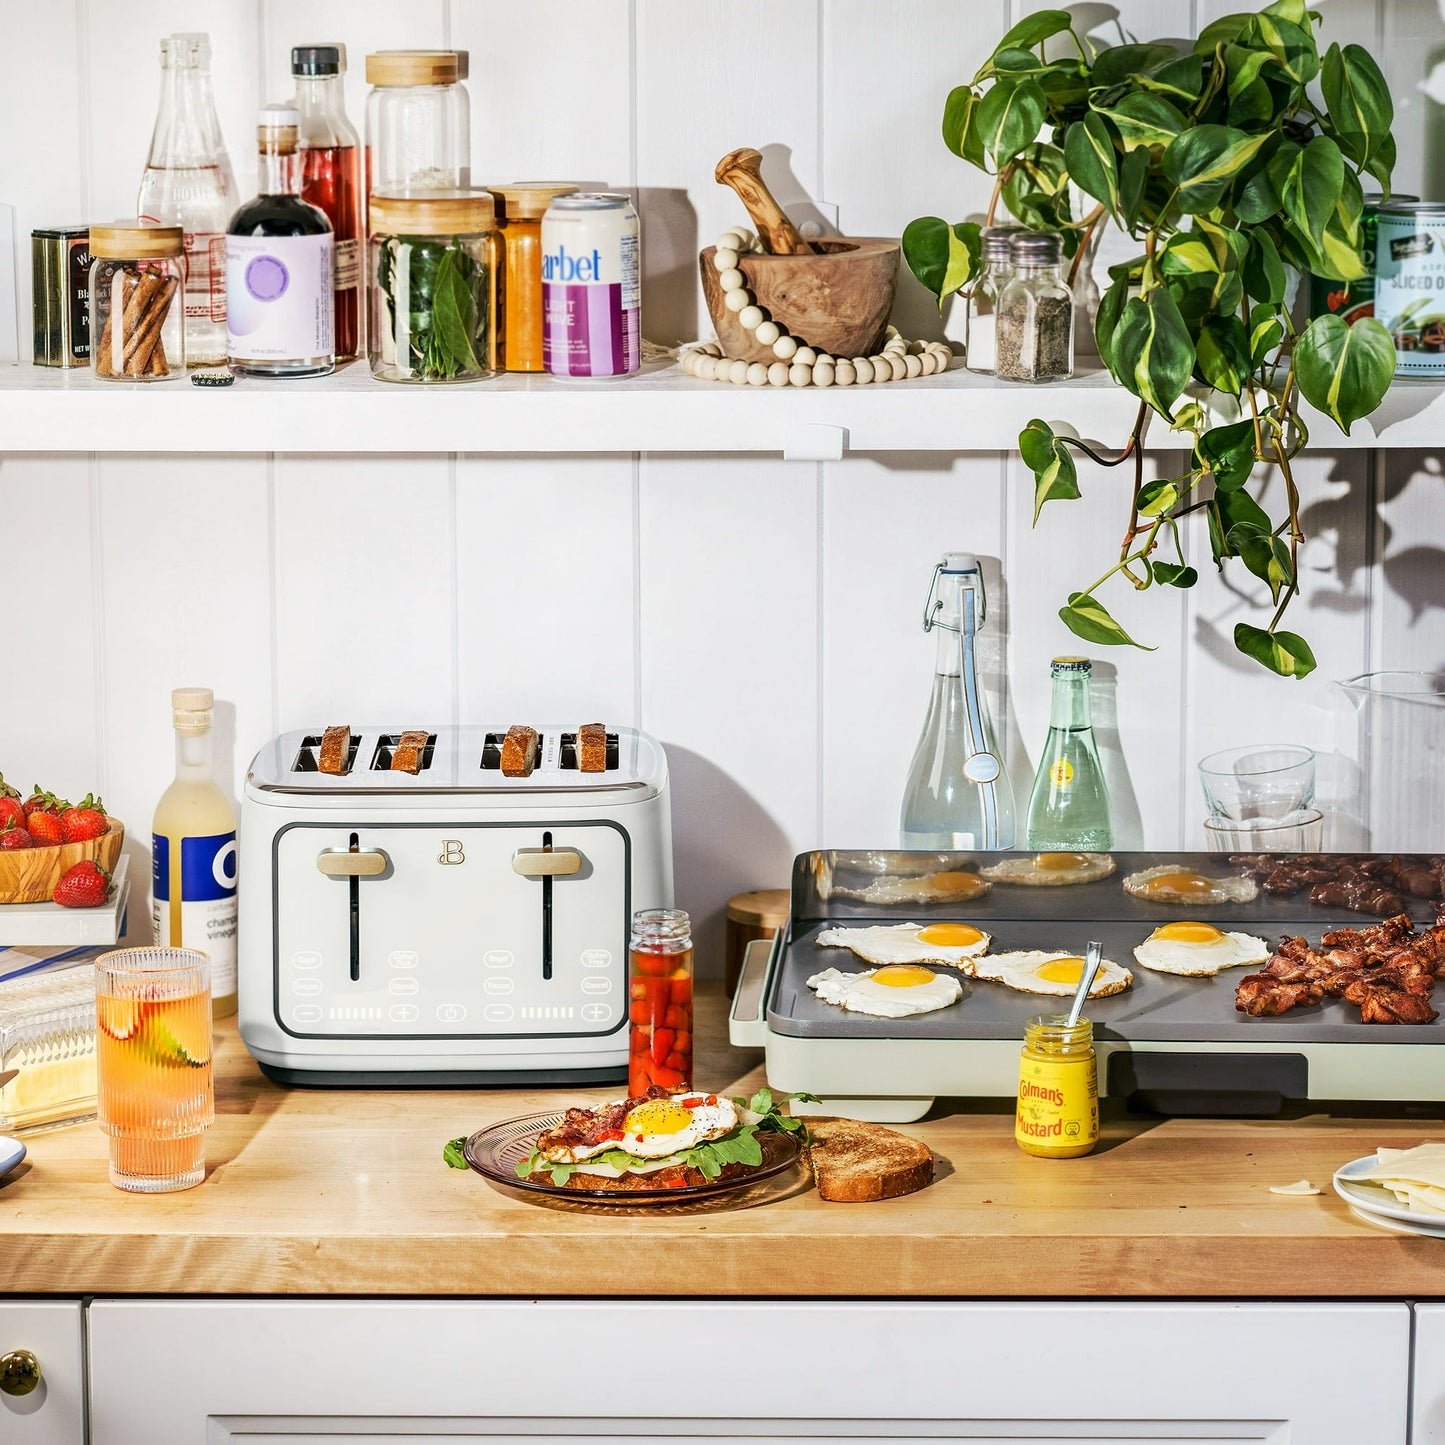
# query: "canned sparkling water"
{"points": [[1351, 300], [591, 286], [1410, 284]]}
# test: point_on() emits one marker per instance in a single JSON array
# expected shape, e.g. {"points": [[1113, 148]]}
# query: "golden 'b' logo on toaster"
{"points": [[451, 851]]}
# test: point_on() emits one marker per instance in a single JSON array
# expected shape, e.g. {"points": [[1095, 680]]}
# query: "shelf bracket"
{"points": [[815, 442]]}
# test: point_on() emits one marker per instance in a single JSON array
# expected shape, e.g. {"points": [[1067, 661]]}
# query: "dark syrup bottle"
{"points": [[331, 176]]}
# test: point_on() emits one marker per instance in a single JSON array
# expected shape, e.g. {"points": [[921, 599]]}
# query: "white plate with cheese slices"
{"points": [[12, 1151], [1379, 1205]]}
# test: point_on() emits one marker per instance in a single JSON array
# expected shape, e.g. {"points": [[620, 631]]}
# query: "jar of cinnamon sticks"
{"points": [[137, 288]]}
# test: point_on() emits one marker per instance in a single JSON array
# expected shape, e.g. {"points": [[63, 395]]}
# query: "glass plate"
{"points": [[495, 1153]]}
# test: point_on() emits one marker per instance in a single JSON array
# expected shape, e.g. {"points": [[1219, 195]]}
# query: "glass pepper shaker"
{"points": [[981, 318], [1036, 312], [659, 991]]}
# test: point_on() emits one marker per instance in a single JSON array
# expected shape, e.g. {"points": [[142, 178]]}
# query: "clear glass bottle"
{"points": [[188, 183], [1035, 327], [1058, 1100], [981, 318], [418, 121], [331, 177], [958, 795], [193, 851], [137, 284], [1069, 805], [659, 984], [279, 303]]}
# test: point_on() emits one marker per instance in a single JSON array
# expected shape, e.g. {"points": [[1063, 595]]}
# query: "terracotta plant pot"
{"points": [[838, 302], [29, 875]]}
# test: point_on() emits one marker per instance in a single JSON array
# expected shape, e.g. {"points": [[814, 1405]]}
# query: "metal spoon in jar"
{"points": [[1093, 956]]}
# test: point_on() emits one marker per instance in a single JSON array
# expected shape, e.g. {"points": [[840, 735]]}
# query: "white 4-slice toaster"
{"points": [[452, 926]]}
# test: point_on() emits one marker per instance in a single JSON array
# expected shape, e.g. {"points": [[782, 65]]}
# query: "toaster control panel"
{"points": [[420, 930]]}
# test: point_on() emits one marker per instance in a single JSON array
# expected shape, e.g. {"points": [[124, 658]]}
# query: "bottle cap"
{"points": [[996, 242], [433, 213], [135, 240], [278, 117], [528, 200], [187, 48], [416, 67], [960, 562], [1037, 248], [191, 709], [318, 60], [1072, 664]]}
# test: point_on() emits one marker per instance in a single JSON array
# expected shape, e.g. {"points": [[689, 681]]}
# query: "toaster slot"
{"points": [[308, 757], [492, 752], [386, 746], [568, 760]]}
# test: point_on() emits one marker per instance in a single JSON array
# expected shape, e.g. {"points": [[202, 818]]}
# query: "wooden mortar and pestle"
{"points": [[834, 295]]}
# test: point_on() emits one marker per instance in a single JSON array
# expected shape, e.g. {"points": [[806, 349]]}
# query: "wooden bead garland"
{"points": [[797, 364]]}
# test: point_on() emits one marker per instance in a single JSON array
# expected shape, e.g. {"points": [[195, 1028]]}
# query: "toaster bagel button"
{"points": [[498, 958], [306, 958]]}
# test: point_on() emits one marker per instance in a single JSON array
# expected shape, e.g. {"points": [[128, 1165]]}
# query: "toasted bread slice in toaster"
{"points": [[592, 748], [335, 748], [406, 757], [519, 751]]}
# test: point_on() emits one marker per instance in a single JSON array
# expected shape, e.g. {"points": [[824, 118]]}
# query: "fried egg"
{"points": [[1173, 883], [957, 944], [1050, 870], [954, 886], [659, 1127], [1033, 971], [1198, 950], [892, 992]]}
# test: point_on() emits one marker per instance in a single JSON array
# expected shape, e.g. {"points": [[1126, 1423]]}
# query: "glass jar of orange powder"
{"points": [[659, 985], [520, 208]]}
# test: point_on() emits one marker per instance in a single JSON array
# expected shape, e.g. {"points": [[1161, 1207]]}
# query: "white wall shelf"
{"points": [[659, 410]]}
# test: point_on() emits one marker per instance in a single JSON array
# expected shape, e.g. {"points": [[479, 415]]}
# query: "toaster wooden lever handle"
{"points": [[343, 863], [546, 862]]}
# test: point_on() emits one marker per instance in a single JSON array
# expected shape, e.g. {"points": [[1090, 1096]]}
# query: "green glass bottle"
{"points": [[1069, 807]]}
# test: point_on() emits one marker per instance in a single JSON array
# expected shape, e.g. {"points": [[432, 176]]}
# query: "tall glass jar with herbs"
{"points": [[432, 267]]}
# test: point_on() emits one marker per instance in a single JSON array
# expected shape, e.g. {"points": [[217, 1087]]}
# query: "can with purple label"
{"points": [[591, 286]]}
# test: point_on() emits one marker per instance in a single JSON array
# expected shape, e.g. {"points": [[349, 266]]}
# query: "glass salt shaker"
{"points": [[1035, 331], [981, 317]]}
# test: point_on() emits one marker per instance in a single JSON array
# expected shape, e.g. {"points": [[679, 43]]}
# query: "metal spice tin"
{"points": [[60, 286], [1410, 284], [1350, 300]]}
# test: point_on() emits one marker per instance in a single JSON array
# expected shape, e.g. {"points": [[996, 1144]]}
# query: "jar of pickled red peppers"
{"points": [[659, 986]]}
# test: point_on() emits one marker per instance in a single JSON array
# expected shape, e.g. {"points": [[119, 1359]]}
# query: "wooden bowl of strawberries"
{"points": [[43, 837]]}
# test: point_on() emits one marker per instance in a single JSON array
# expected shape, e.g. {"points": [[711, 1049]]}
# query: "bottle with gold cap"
{"points": [[193, 840], [1069, 807]]}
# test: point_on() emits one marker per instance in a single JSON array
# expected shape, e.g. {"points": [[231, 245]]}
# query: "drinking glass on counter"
{"points": [[1274, 781], [153, 1062], [659, 987], [1302, 831]]}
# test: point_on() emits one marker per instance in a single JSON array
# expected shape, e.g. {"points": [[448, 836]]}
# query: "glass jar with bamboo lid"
{"points": [[520, 208], [137, 327], [433, 258], [418, 121]]}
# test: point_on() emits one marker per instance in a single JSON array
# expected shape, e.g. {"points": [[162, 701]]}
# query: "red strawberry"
{"points": [[45, 829], [86, 820], [13, 836], [41, 801], [9, 804], [87, 885]]}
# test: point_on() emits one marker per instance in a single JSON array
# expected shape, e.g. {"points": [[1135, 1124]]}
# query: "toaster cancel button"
{"points": [[404, 986], [596, 985], [497, 985], [305, 987]]}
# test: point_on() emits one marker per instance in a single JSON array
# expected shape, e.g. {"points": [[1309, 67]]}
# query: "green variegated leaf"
{"points": [[1345, 370], [1256, 199], [1223, 350], [1120, 64], [1241, 515], [1009, 118], [1382, 162], [1092, 160], [1285, 653], [1152, 350], [1294, 11], [1035, 28], [943, 257], [1048, 459], [1291, 46], [1175, 574], [1156, 498], [1106, 321], [1180, 81], [1264, 555], [1263, 271], [1227, 453], [1133, 179], [1143, 120], [1243, 65], [960, 124], [1085, 616], [1266, 331], [1205, 160], [1309, 182], [1357, 98], [1223, 31]]}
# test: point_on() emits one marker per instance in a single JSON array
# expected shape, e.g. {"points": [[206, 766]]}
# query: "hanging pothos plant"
{"points": [[1225, 171]]}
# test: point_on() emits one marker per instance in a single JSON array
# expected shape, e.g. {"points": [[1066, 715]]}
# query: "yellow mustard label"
{"points": [[1058, 1106], [1062, 773]]}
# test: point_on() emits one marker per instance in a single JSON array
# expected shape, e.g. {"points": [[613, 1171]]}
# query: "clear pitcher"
{"points": [[1393, 783]]}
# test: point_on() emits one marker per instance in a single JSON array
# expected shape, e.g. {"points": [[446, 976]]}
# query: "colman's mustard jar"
{"points": [[1058, 1101]]}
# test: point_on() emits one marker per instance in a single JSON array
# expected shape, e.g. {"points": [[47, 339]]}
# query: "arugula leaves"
{"points": [[452, 1155]]}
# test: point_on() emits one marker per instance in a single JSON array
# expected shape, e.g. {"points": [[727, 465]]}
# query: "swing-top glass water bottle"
{"points": [[958, 795]]}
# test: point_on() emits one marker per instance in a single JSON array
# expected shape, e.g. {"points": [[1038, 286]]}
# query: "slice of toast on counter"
{"points": [[335, 748], [854, 1163], [407, 756], [519, 751], [592, 748]]}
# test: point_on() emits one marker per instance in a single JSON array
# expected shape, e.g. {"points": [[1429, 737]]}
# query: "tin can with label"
{"points": [[60, 271], [1410, 284], [591, 286], [1351, 300]]}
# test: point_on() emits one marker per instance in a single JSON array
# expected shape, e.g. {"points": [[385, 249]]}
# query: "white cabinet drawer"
{"points": [[1427, 1404], [54, 1412], [284, 1372]]}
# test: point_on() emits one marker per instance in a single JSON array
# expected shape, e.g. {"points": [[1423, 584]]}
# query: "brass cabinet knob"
{"points": [[19, 1373]]}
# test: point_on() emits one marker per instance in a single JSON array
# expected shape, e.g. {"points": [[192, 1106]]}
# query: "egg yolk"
{"points": [[903, 975], [1062, 970], [659, 1116], [1060, 862], [1179, 885], [950, 935], [1189, 933], [957, 885]]}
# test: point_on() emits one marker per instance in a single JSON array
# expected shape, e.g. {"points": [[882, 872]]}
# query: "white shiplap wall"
{"points": [[760, 617]]}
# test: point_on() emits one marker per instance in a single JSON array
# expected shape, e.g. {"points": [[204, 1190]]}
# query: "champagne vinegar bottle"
{"points": [[193, 843], [1069, 808], [958, 796]]}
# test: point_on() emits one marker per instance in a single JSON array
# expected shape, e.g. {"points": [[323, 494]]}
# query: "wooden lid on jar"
{"points": [[416, 67], [766, 908], [528, 200], [135, 240], [433, 213]]}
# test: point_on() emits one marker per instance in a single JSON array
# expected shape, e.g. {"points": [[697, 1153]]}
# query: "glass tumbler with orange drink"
{"points": [[153, 1065], [660, 1000]]}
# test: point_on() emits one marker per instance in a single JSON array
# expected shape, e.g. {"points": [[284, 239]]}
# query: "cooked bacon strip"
{"points": [[596, 1126]]}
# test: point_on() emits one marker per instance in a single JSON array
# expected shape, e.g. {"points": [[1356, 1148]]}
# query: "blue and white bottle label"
{"points": [[280, 303], [208, 901]]}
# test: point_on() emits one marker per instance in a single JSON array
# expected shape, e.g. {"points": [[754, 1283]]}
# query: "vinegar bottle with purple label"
{"points": [[280, 309]]}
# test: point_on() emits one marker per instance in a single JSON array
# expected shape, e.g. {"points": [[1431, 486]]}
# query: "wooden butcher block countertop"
{"points": [[344, 1192]]}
